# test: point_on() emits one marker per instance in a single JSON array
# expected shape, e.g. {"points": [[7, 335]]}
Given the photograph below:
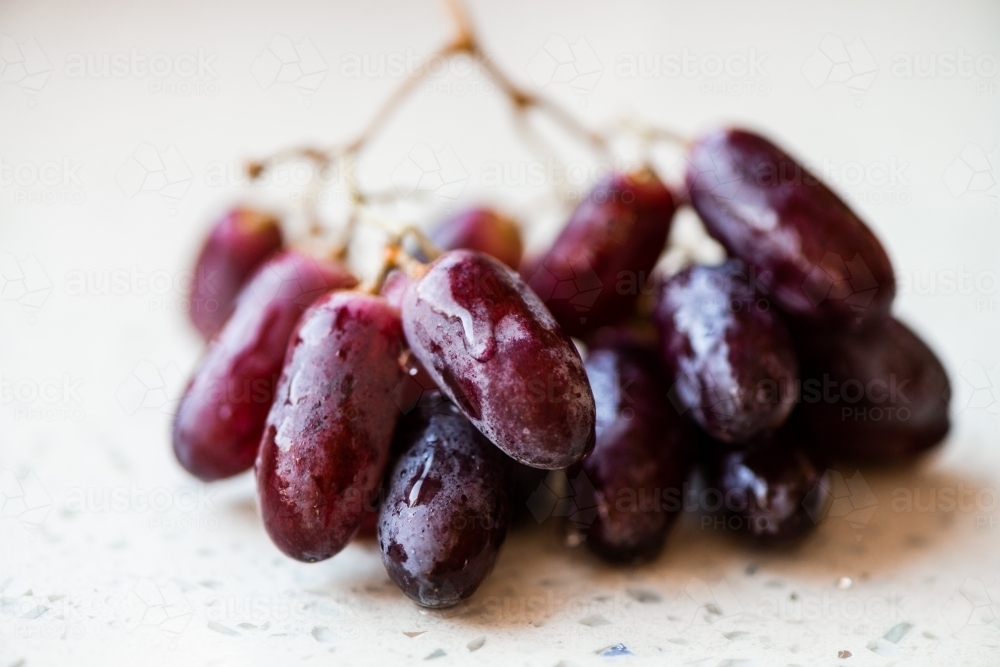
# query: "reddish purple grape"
{"points": [[731, 355], [773, 491], [221, 417], [239, 243], [602, 259], [445, 513], [328, 434], [482, 229], [811, 253], [492, 347], [636, 473], [879, 395]]}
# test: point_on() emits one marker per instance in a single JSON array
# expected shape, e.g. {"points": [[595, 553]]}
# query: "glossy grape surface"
{"points": [[812, 253], [731, 354], [492, 347], [773, 492], [328, 434], [445, 513], [602, 259], [876, 396], [482, 229], [221, 416], [636, 473], [239, 243]]}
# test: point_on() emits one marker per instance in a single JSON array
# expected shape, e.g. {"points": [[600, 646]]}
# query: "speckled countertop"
{"points": [[110, 554]]}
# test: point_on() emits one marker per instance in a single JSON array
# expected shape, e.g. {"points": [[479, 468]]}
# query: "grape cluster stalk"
{"points": [[428, 407]]}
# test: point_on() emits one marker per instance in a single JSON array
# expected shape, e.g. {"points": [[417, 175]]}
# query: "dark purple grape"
{"points": [[492, 347], [445, 513], [221, 417], [879, 395], [328, 433], [772, 491], [636, 473], [812, 254], [602, 259], [732, 358], [482, 229], [239, 243]]}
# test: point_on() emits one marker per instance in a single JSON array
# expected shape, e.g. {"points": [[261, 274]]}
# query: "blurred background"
{"points": [[125, 128]]}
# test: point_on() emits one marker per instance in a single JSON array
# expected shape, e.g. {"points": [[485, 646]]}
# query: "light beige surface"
{"points": [[111, 554]]}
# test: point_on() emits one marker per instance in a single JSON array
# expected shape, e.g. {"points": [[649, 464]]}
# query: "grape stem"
{"points": [[464, 42]]}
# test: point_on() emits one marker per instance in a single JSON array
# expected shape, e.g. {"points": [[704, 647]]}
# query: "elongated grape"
{"points": [[328, 434], [811, 252], [482, 229], [492, 347], [731, 354], [774, 492], [445, 513], [636, 473], [599, 263], [239, 243], [221, 416], [875, 396]]}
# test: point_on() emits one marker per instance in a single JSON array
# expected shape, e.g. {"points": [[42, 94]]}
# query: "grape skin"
{"points": [[636, 473], [879, 396], [221, 416], [599, 263], [237, 245], [812, 254], [731, 354], [328, 434], [493, 349], [482, 229], [446, 512], [773, 489]]}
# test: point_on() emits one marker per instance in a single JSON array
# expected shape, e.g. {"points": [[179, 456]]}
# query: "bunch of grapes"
{"points": [[426, 407]]}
